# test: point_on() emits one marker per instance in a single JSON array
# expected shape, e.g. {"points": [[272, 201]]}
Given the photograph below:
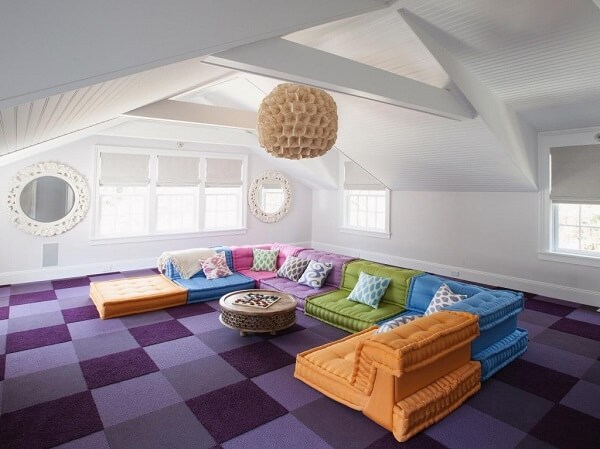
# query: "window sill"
{"points": [[377, 234], [159, 237], [574, 259]]}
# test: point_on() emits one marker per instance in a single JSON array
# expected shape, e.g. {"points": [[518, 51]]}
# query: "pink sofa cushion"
{"points": [[285, 250], [258, 275], [242, 256]]}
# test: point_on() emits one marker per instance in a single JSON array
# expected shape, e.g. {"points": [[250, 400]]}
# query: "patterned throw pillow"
{"points": [[315, 274], [394, 323], [215, 266], [442, 298], [369, 289], [264, 259], [293, 268]]}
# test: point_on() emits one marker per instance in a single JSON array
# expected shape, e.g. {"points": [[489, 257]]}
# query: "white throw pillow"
{"points": [[442, 298]]}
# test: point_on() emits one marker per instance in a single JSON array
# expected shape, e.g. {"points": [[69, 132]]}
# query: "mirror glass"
{"points": [[47, 199], [271, 197]]}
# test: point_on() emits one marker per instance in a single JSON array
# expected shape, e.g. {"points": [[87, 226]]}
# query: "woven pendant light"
{"points": [[296, 122]]}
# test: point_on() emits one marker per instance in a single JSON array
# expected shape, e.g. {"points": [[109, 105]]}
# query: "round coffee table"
{"points": [[278, 316]]}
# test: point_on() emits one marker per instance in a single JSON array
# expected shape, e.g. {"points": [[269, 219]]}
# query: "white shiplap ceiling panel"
{"points": [[39, 121]]}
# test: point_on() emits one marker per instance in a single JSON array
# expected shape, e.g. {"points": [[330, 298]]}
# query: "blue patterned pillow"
{"points": [[315, 274], [369, 289], [394, 323]]}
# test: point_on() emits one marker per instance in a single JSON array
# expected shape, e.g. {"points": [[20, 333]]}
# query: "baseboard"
{"points": [[578, 295], [49, 273]]}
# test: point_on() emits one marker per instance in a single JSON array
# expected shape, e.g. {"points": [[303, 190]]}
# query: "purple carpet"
{"points": [[178, 379]]}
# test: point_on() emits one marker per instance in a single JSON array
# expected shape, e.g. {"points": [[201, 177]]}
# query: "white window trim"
{"points": [[385, 234], [202, 155], [547, 140]]}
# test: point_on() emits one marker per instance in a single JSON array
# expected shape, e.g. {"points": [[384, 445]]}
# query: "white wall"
{"points": [[21, 253], [487, 237]]}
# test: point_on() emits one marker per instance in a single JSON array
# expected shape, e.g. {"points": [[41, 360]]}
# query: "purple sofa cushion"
{"points": [[299, 291], [337, 260]]}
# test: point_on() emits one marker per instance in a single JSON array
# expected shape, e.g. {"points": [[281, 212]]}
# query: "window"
{"points": [[571, 223], [366, 202], [144, 192]]}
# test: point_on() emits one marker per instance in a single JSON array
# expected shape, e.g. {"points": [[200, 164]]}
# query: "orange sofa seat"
{"points": [[405, 379], [127, 296]]}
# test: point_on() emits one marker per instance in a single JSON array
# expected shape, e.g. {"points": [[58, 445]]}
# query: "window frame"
{"points": [[546, 211], [152, 198], [345, 227]]}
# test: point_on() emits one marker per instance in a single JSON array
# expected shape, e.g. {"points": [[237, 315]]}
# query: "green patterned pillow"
{"points": [[369, 289], [264, 259]]}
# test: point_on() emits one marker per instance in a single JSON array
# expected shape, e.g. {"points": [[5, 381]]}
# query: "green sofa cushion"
{"points": [[396, 291], [336, 309]]}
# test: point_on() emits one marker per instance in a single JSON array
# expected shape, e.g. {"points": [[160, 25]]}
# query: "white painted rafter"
{"points": [[69, 44], [183, 112], [280, 58], [517, 137]]}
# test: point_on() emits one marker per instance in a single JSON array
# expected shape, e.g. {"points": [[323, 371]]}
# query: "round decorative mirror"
{"points": [[47, 199], [270, 197]]}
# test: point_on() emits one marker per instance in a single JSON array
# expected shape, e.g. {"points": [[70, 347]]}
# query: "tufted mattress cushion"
{"points": [[127, 296], [492, 307], [202, 289], [258, 276], [396, 291], [424, 286], [501, 353], [336, 309], [243, 256], [337, 260], [300, 291], [285, 251]]}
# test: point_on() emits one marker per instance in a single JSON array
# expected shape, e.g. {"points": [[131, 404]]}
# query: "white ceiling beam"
{"points": [[53, 47], [516, 136], [183, 112], [279, 58]]}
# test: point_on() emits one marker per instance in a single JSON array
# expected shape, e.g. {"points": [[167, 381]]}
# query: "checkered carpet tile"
{"points": [[176, 378]]}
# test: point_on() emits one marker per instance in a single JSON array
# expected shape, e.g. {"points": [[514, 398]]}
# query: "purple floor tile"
{"points": [[51, 423], [117, 367], [536, 379], [35, 308], [143, 319], [4, 313], [2, 344], [29, 322], [547, 307], [587, 316], [39, 359], [530, 442], [223, 339], [5, 291], [101, 345], [201, 376], [243, 406], [186, 310], [329, 332], [94, 441], [80, 314], [569, 342], [132, 398], [306, 321], [566, 428], [202, 323], [4, 301], [31, 287], [580, 328], [3, 327], [152, 334], [28, 298], [593, 374], [42, 386], [338, 425], [282, 386], [171, 427], [257, 358], [71, 282], [74, 301], [177, 352], [557, 359], [462, 430], [585, 397], [533, 330], [106, 277], [281, 433], [2, 367], [35, 338], [91, 328], [501, 400], [73, 292], [419, 441], [298, 342], [539, 318]]}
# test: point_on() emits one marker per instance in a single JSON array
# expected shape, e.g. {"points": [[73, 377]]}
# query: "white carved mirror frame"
{"points": [[54, 169], [269, 178]]}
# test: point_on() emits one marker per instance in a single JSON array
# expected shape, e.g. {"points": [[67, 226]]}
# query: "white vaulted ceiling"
{"points": [[538, 58]]}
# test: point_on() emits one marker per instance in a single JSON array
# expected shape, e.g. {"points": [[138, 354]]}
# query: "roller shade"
{"points": [[355, 178], [223, 172], [178, 171], [121, 169], [575, 174]]}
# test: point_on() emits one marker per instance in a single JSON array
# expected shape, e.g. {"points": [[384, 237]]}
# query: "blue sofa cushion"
{"points": [[172, 273], [501, 353], [202, 289], [492, 307], [423, 286]]}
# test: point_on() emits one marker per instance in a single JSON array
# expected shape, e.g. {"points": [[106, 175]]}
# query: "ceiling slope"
{"points": [[69, 44]]}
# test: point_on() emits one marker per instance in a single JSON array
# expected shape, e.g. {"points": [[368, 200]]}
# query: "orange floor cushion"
{"points": [[128, 296]]}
